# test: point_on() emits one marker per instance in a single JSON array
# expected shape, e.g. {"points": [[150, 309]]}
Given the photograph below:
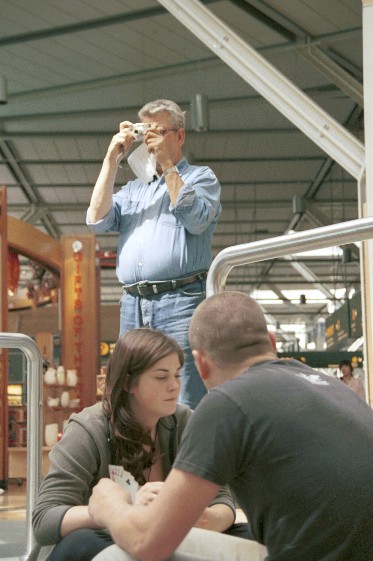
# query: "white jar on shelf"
{"points": [[53, 401], [50, 376], [60, 375], [65, 399], [51, 434], [71, 378]]}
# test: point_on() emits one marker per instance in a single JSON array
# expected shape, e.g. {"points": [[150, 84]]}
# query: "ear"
{"points": [[272, 337], [202, 364], [181, 137]]}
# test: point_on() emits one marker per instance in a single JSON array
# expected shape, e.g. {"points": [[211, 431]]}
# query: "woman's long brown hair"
{"points": [[135, 351]]}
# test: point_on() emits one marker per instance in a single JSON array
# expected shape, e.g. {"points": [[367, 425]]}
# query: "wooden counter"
{"points": [[18, 462]]}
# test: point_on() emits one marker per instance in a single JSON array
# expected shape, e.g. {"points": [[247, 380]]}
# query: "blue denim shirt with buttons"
{"points": [[156, 240]]}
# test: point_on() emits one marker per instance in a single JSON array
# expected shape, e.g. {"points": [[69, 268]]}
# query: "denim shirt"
{"points": [[156, 240]]}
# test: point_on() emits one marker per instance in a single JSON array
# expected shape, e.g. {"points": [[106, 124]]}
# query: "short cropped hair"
{"points": [[230, 327], [176, 115]]}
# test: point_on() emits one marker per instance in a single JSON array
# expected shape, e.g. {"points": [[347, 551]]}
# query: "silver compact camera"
{"points": [[139, 130]]}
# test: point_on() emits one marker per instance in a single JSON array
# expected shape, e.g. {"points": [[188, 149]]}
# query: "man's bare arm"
{"points": [[101, 199], [153, 532]]}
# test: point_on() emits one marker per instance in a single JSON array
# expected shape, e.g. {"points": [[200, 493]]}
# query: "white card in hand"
{"points": [[125, 479]]}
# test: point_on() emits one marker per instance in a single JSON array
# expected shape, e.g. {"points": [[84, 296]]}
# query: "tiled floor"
{"points": [[12, 522], [13, 502]]}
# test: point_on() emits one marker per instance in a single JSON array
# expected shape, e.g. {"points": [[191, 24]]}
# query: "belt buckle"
{"points": [[142, 284]]}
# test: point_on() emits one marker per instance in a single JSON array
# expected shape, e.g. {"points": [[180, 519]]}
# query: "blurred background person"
{"points": [[348, 378]]}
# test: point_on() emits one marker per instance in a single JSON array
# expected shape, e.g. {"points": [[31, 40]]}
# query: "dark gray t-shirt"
{"points": [[296, 448]]}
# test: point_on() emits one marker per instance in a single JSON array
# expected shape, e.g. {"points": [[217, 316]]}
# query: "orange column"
{"points": [[3, 328], [80, 302]]}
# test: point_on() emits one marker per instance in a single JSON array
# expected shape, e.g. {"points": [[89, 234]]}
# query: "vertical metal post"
{"points": [[365, 186], [4, 464]]}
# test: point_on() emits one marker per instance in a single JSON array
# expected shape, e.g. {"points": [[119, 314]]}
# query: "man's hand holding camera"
{"points": [[129, 133], [157, 143], [160, 140], [121, 142]]}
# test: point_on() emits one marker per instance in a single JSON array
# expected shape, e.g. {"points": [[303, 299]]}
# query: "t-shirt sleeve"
{"points": [[210, 446]]}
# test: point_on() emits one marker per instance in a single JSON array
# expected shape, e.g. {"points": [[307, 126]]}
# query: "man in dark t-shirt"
{"points": [[297, 451], [295, 446]]}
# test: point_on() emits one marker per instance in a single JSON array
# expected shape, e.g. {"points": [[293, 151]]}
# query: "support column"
{"points": [[80, 300], [366, 196], [3, 352]]}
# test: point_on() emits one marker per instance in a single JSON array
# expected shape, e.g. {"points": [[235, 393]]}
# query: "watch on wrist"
{"points": [[172, 169]]}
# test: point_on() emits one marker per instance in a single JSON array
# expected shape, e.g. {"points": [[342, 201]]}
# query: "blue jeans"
{"points": [[169, 312]]}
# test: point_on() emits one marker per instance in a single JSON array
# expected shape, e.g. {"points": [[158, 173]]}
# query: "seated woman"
{"points": [[137, 426]]}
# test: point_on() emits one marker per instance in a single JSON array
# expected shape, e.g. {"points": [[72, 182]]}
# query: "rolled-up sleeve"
{"points": [[106, 223], [198, 202]]}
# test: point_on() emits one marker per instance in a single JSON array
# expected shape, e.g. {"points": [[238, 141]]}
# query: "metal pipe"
{"points": [[365, 195], [34, 418], [262, 250]]}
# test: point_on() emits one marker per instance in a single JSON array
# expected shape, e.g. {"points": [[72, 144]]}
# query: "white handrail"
{"points": [[262, 250]]}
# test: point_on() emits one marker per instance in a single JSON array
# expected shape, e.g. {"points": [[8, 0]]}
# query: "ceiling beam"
{"points": [[287, 98], [85, 25], [332, 65], [310, 276], [10, 111], [71, 133], [205, 161], [268, 20], [12, 163], [343, 79]]}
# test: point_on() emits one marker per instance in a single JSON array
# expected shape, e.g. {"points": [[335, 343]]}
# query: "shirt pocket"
{"points": [[131, 214]]}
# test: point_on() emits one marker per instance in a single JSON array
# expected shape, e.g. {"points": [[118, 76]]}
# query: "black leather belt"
{"points": [[145, 288]]}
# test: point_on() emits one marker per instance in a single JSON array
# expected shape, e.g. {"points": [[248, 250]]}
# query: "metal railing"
{"points": [[34, 424], [262, 250]]}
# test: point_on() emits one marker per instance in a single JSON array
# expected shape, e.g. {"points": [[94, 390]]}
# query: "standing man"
{"points": [[294, 445], [165, 229]]}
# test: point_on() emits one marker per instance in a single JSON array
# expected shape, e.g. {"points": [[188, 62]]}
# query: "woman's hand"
{"points": [[217, 517], [148, 492]]}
